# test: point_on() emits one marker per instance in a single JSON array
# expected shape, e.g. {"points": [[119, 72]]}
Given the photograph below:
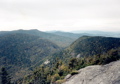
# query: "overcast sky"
{"points": [[64, 15]]}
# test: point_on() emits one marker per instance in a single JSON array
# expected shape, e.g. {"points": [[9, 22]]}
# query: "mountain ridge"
{"points": [[90, 45], [59, 40]]}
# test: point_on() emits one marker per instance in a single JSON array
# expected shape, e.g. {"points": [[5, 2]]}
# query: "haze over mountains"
{"points": [[54, 38], [21, 51], [88, 33]]}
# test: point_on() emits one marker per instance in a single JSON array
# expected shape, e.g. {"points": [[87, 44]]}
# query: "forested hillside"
{"points": [[61, 41], [90, 45], [83, 52], [20, 53]]}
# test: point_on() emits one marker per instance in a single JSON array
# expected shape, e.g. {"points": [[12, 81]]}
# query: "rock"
{"points": [[78, 56], [97, 74], [67, 77], [47, 62]]}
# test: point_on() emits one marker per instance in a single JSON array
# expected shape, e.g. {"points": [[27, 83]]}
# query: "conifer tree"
{"points": [[5, 78]]}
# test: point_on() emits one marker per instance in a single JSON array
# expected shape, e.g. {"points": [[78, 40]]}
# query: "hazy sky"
{"points": [[65, 15]]}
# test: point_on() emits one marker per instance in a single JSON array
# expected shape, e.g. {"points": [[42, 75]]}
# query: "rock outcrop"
{"points": [[97, 74]]}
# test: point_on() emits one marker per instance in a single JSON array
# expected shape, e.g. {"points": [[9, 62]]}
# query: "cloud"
{"points": [[59, 13]]}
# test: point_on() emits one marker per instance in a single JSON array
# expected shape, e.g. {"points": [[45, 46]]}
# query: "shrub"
{"points": [[74, 72]]}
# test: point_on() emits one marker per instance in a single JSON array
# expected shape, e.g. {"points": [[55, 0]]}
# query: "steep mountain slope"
{"points": [[59, 40], [24, 51], [107, 74], [89, 46], [94, 45]]}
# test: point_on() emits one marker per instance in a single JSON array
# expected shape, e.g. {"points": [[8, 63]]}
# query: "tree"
{"points": [[5, 78], [72, 63]]}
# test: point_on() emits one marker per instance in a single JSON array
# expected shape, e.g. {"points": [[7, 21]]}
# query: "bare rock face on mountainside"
{"points": [[97, 74]]}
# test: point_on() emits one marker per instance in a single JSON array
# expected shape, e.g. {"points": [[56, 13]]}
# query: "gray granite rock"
{"points": [[67, 77], [106, 74]]}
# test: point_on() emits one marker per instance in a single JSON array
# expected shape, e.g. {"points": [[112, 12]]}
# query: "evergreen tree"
{"points": [[5, 78], [72, 63]]}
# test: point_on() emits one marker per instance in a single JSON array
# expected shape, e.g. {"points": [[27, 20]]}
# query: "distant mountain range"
{"points": [[70, 34], [61, 41], [87, 33]]}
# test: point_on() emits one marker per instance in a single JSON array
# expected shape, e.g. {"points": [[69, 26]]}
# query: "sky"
{"points": [[63, 15]]}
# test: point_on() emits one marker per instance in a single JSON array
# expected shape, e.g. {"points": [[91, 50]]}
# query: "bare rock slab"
{"points": [[97, 74]]}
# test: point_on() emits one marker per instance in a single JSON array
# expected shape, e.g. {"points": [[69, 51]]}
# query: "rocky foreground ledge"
{"points": [[97, 74]]}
